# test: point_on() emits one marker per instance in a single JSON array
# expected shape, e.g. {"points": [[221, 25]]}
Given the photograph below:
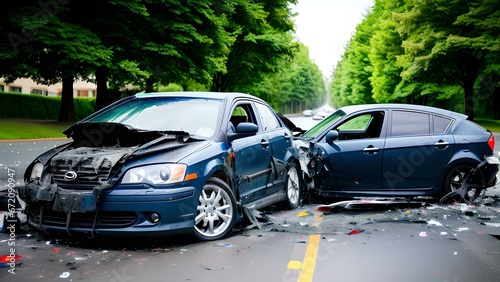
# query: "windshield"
{"points": [[197, 116], [323, 125]]}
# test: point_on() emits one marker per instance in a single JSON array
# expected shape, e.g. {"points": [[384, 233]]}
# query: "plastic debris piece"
{"points": [[303, 214], [356, 231], [64, 275], [225, 245], [444, 233], [56, 250], [463, 229], [434, 222], [422, 234], [294, 264], [496, 236], [492, 224], [205, 267]]}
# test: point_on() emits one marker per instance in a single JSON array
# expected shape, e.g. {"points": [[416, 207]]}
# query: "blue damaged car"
{"points": [[163, 164], [397, 150]]}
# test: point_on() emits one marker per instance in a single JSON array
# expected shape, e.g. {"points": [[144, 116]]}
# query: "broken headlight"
{"points": [[155, 174], [36, 171]]}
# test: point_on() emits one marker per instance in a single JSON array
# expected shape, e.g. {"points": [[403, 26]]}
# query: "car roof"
{"points": [[355, 108], [200, 94]]}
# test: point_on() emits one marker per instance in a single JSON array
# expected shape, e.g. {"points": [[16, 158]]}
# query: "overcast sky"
{"points": [[325, 26]]}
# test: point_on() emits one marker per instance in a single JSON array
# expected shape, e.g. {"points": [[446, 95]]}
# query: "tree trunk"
{"points": [[149, 85], [469, 99], [67, 111], [496, 103], [102, 98]]}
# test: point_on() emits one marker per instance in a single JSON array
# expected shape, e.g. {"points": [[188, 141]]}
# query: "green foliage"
{"points": [[171, 87], [26, 106], [199, 45], [436, 53], [36, 107], [296, 85], [351, 84]]}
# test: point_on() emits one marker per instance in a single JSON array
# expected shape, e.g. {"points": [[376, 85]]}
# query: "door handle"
{"points": [[441, 145], [264, 143], [371, 150]]}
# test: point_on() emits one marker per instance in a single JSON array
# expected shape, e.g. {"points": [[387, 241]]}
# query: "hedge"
{"points": [[33, 106]]}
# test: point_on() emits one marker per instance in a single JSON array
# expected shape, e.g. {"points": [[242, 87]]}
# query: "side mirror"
{"points": [[247, 128], [332, 136], [244, 129]]}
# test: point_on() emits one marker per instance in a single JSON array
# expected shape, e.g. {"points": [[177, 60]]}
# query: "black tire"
{"points": [[293, 186], [454, 178], [216, 211]]}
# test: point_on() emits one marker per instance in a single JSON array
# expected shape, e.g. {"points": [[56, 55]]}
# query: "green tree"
{"points": [[260, 40], [49, 49], [385, 44], [446, 43], [301, 82], [351, 83]]}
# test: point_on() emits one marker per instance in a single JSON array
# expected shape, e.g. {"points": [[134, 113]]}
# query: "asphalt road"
{"points": [[430, 243]]}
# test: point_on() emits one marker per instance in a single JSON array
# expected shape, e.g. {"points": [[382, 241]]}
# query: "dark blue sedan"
{"points": [[397, 150], [162, 164]]}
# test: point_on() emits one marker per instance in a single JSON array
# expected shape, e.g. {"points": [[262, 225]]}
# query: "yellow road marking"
{"points": [[307, 273]]}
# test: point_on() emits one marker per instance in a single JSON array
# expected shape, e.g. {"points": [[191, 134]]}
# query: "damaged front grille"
{"points": [[105, 219], [86, 177], [85, 168]]}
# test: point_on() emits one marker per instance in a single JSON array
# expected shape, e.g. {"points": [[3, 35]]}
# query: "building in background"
{"points": [[28, 86]]}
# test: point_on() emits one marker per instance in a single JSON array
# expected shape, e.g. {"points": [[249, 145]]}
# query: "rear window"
{"points": [[441, 124], [405, 123]]}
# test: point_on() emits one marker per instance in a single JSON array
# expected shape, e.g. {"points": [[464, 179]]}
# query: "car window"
{"points": [[323, 125], [242, 112], [406, 123], [441, 124], [366, 125], [356, 124], [197, 116], [267, 118]]}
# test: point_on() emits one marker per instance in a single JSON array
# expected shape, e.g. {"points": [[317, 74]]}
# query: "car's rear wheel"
{"points": [[293, 186], [216, 212], [461, 176]]}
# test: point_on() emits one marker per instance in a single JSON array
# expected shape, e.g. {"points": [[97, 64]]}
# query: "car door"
{"points": [[252, 157], [354, 161], [416, 150], [280, 141]]}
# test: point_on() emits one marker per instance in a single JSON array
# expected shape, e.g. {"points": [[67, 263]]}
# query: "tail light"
{"points": [[491, 142]]}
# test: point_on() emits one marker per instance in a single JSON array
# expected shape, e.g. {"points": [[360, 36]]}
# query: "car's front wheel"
{"points": [[293, 186], [216, 212], [463, 176]]}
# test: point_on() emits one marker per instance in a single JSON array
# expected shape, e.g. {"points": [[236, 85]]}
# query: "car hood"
{"points": [[116, 142]]}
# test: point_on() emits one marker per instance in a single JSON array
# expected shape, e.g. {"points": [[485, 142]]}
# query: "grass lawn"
{"points": [[492, 125], [13, 129]]}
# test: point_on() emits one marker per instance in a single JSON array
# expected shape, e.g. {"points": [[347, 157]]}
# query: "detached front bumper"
{"points": [[490, 167], [119, 212]]}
